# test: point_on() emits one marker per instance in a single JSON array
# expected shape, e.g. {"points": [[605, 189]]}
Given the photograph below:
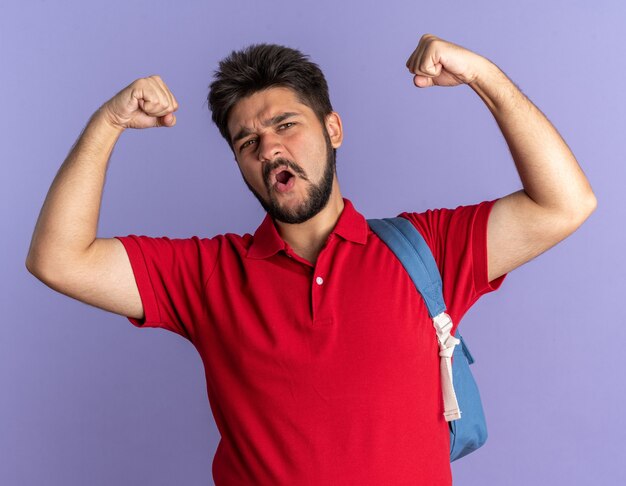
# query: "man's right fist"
{"points": [[146, 102]]}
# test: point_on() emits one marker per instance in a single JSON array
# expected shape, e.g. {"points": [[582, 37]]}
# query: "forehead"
{"points": [[249, 112]]}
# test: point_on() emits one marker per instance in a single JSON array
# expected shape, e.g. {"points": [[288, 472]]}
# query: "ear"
{"points": [[334, 129]]}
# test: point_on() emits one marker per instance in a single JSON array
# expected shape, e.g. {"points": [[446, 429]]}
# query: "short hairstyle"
{"points": [[262, 66]]}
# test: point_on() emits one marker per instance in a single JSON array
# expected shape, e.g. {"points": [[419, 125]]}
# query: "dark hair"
{"points": [[261, 66]]}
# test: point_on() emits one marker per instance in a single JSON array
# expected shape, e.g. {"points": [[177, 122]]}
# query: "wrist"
{"points": [[485, 75], [491, 84], [102, 116]]}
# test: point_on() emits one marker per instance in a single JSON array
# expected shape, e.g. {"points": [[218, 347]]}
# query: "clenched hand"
{"points": [[436, 62], [146, 102]]}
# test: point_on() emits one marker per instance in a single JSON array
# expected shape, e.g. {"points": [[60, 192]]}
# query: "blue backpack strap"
{"points": [[413, 252], [470, 432]]}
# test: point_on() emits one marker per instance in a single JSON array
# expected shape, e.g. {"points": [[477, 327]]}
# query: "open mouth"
{"points": [[284, 176], [285, 180]]}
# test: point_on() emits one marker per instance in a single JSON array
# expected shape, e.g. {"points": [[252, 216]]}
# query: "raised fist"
{"points": [[146, 102], [436, 62]]}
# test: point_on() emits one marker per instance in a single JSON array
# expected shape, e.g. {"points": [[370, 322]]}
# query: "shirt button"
{"points": [[319, 280]]}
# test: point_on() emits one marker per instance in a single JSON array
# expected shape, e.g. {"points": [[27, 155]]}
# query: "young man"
{"points": [[321, 362]]}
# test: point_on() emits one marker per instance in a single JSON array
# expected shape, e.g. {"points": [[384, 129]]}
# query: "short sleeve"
{"points": [[458, 241], [171, 276]]}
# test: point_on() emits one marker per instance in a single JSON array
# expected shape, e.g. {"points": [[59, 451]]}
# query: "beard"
{"points": [[317, 196]]}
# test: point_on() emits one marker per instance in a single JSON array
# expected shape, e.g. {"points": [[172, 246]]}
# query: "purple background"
{"points": [[86, 398]]}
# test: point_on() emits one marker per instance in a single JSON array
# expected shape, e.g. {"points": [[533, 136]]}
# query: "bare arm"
{"points": [[556, 198], [68, 221], [64, 251]]}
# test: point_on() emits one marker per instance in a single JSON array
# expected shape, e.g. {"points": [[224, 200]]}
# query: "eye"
{"points": [[245, 144], [284, 126]]}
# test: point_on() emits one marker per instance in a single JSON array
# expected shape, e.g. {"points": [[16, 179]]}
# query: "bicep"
{"points": [[102, 277], [519, 230]]}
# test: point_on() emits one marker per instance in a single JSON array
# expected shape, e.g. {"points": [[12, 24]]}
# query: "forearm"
{"points": [[68, 221], [549, 172]]}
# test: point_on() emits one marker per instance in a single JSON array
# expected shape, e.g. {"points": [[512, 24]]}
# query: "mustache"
{"points": [[280, 162]]}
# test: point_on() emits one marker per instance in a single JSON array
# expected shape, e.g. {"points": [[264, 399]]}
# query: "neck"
{"points": [[308, 238]]}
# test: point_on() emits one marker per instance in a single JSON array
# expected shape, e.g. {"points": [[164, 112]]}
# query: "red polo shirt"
{"points": [[324, 374]]}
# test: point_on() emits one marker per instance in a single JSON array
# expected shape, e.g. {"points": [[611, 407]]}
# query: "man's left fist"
{"points": [[436, 62]]}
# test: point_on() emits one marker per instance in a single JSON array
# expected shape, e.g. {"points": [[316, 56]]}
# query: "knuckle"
{"points": [[142, 83]]}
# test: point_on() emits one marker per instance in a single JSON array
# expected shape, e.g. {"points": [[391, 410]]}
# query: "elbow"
{"points": [[584, 208], [36, 271], [593, 203], [30, 266], [589, 206], [33, 263]]}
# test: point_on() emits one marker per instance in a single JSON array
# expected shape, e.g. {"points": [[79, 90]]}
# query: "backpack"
{"points": [[460, 392]]}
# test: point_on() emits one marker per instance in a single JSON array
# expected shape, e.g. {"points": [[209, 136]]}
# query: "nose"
{"points": [[269, 147]]}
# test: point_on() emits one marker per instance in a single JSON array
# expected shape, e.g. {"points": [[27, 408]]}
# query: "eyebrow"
{"points": [[244, 132]]}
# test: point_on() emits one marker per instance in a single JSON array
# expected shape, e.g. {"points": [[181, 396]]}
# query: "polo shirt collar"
{"points": [[351, 226]]}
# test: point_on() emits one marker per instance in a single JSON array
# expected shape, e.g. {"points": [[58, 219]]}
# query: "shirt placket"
{"points": [[320, 313], [318, 281]]}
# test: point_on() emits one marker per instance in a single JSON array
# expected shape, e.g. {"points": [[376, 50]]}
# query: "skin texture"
{"points": [[145, 103], [556, 197], [317, 194], [64, 253], [300, 140], [555, 201]]}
